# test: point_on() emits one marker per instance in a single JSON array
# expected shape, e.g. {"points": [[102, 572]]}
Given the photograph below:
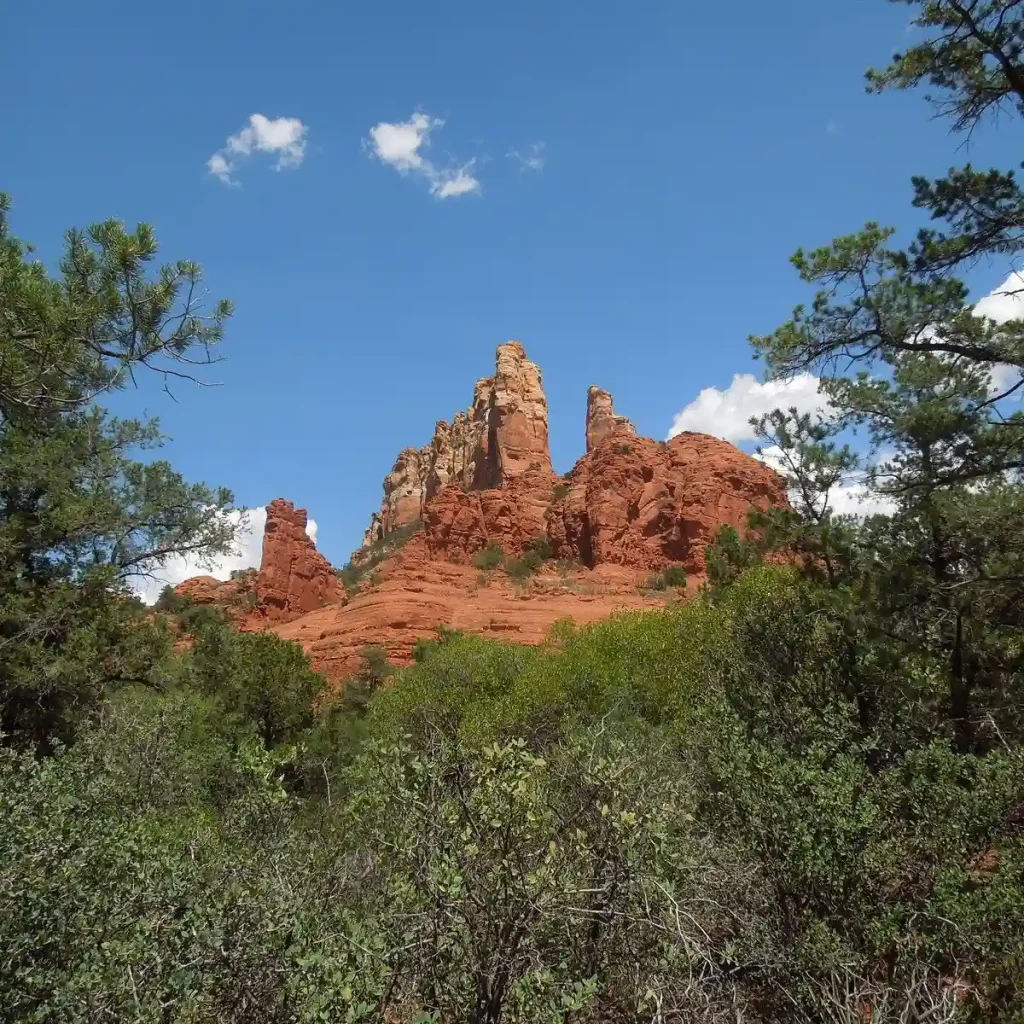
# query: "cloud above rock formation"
{"points": [[726, 412]]}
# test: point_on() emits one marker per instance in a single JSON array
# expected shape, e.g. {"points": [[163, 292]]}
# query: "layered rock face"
{"points": [[501, 437], [294, 578], [415, 593], [602, 419]]}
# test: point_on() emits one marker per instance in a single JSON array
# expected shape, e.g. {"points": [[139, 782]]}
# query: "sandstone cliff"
{"points": [[294, 577], [648, 504]]}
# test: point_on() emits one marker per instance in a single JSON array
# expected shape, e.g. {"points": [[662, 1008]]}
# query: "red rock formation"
{"points": [[235, 597], [602, 419], [503, 436], [648, 504], [202, 589], [630, 506], [457, 523], [517, 420], [294, 577]]}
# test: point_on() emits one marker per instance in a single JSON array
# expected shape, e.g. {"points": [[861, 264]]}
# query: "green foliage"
{"points": [[171, 602], [529, 914], [490, 557], [520, 569], [624, 449], [260, 682], [537, 552], [152, 872], [80, 517], [542, 547], [670, 577], [674, 576], [729, 555], [442, 635], [559, 491]]}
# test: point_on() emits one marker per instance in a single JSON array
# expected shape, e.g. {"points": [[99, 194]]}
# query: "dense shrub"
{"points": [[171, 601], [541, 546], [259, 681], [489, 557], [670, 577]]}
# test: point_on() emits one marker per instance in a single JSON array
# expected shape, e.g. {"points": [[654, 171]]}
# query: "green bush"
{"points": [[262, 683], [560, 491], [542, 547], [674, 576], [521, 569], [670, 577], [490, 557], [172, 602]]}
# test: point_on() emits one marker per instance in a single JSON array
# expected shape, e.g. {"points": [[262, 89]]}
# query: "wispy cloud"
{"points": [[284, 137], [831, 128], [402, 145], [532, 160]]}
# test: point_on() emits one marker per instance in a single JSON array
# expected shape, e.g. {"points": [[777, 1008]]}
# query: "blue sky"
{"points": [[687, 150]]}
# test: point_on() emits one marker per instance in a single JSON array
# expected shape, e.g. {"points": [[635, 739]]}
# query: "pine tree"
{"points": [[81, 513]]}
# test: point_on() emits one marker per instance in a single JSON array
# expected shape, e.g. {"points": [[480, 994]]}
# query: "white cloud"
{"points": [[457, 183], [247, 555], [726, 413], [284, 137], [1002, 304], [532, 160], [401, 146]]}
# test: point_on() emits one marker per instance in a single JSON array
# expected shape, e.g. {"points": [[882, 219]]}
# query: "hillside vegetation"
{"points": [[798, 797]]}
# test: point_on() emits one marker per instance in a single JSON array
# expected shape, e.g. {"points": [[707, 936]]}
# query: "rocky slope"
{"points": [[630, 507], [414, 593]]}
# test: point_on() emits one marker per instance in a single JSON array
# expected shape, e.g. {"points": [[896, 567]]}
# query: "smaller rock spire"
{"points": [[602, 419], [294, 578]]}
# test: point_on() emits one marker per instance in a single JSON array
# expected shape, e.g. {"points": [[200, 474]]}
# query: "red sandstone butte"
{"points": [[602, 419], [501, 437], [293, 578]]}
